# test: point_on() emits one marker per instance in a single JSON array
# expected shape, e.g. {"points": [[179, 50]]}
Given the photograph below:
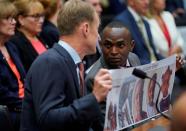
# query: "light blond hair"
{"points": [[7, 9], [73, 13], [25, 6]]}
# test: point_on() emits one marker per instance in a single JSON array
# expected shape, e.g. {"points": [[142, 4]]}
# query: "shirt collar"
{"points": [[127, 63], [136, 16], [76, 58]]}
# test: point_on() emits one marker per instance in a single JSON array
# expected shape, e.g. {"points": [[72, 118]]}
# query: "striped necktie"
{"points": [[81, 78]]}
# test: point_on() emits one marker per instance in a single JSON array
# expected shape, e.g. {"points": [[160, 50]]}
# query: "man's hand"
{"points": [[179, 62], [102, 84]]}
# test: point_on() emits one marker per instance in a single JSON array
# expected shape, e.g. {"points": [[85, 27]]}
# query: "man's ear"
{"points": [[85, 29], [132, 44]]}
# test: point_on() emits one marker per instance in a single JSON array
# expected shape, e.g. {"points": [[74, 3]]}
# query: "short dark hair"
{"points": [[115, 24]]}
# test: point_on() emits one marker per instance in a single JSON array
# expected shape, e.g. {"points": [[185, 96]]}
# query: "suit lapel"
{"points": [[135, 29], [15, 57], [133, 59], [71, 65], [147, 27]]}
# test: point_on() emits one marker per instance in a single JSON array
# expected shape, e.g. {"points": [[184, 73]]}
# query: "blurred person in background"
{"points": [[29, 24], [50, 33], [165, 35], [97, 5], [178, 122], [12, 73], [133, 17]]}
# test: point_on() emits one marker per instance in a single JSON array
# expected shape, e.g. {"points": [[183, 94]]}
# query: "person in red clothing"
{"points": [[12, 73], [29, 24]]}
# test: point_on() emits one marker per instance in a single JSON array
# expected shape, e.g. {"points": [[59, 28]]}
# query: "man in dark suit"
{"points": [[140, 30], [53, 99], [116, 44]]}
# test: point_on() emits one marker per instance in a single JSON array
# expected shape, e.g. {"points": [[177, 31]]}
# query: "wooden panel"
{"points": [[161, 121]]}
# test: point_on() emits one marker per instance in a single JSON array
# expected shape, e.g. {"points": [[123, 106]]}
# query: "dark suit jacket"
{"points": [[27, 52], [52, 99], [100, 63], [49, 33], [140, 48], [8, 81]]}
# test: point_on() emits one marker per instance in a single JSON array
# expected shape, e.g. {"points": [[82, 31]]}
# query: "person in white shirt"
{"points": [[165, 35]]}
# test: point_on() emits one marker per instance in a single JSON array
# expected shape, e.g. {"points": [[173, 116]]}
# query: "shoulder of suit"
{"points": [[133, 59], [131, 54]]}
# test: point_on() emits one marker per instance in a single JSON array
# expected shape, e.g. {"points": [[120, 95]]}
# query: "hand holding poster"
{"points": [[133, 100]]}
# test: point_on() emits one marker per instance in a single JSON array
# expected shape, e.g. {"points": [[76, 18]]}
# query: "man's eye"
{"points": [[121, 44], [107, 44]]}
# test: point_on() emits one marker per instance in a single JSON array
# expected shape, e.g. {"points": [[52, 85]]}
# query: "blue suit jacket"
{"points": [[172, 5], [140, 48], [52, 99], [8, 81], [50, 33]]}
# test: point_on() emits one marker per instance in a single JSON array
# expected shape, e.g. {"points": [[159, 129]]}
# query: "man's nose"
{"points": [[114, 50]]}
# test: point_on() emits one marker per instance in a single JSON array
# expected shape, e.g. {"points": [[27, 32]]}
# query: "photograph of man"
{"points": [[165, 100], [151, 106], [124, 112], [138, 113], [124, 116], [112, 122]]}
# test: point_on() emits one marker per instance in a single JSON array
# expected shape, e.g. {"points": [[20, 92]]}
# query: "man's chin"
{"points": [[114, 66]]}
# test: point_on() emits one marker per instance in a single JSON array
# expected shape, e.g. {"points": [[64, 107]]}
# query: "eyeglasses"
{"points": [[10, 19], [36, 16]]}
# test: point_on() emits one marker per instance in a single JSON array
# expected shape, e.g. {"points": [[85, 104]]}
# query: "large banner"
{"points": [[133, 100]]}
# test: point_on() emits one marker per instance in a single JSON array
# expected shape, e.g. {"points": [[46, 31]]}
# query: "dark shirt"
{"points": [[50, 33]]}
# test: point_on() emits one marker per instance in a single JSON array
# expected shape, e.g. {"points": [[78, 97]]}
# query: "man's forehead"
{"points": [[115, 31]]}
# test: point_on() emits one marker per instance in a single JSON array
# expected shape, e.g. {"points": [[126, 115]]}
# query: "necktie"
{"points": [[81, 78], [145, 37]]}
